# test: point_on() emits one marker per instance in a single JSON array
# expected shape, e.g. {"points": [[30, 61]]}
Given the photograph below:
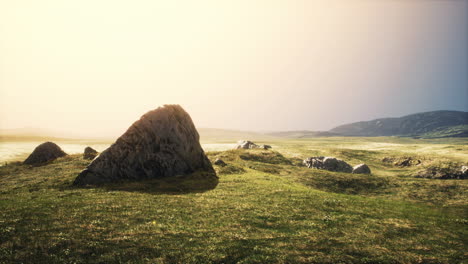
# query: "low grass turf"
{"points": [[266, 209]]}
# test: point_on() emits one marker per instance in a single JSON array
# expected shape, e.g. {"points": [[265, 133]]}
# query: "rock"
{"points": [[163, 144], [89, 153], [245, 144], [438, 173], [334, 164], [402, 161], [43, 153], [328, 163], [220, 162], [264, 146], [387, 160], [361, 169], [314, 162], [406, 162], [464, 171]]}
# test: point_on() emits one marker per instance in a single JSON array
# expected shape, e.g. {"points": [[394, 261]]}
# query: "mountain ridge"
{"points": [[433, 124], [417, 124]]}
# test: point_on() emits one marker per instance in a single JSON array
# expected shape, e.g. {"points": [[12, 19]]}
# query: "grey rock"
{"points": [[264, 146], [163, 143], [89, 153], [246, 144], [436, 172], [406, 162], [328, 163], [314, 162], [43, 153], [361, 169], [334, 164], [219, 162], [464, 171]]}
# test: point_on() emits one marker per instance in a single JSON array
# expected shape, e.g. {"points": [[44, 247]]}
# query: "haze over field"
{"points": [[94, 67]]}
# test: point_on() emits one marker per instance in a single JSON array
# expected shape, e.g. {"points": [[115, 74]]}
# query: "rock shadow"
{"points": [[198, 182]]}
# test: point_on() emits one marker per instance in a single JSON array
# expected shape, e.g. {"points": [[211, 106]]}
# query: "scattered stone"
{"points": [[402, 161], [407, 162], [43, 153], [328, 163], [246, 144], [265, 146], [164, 143], [464, 171], [314, 162], [447, 170], [89, 153], [361, 169], [388, 160], [220, 162], [434, 173]]}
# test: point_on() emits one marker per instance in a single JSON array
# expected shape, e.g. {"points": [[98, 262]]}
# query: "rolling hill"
{"points": [[427, 124]]}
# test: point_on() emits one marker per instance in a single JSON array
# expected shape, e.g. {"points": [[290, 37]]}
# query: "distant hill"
{"points": [[428, 124], [437, 124], [303, 134]]}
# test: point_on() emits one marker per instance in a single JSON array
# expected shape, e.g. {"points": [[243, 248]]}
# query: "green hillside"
{"points": [[266, 209], [411, 125]]}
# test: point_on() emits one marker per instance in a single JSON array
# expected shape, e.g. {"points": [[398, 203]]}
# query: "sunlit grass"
{"points": [[271, 211]]}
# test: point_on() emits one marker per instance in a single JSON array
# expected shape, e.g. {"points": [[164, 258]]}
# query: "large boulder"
{"points": [[43, 153], [163, 144], [328, 163], [361, 169], [89, 153]]}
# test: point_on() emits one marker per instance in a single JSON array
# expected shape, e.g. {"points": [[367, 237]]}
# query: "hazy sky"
{"points": [[94, 67]]}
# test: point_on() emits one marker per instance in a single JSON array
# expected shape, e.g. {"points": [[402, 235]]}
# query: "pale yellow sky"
{"points": [[93, 67]]}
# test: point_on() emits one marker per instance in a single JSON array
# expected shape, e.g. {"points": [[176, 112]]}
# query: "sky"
{"points": [[93, 67]]}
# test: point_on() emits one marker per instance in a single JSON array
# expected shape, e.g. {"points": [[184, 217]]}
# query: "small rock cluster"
{"points": [[464, 170], [334, 164], [402, 162], [435, 172], [49, 151], [246, 144]]}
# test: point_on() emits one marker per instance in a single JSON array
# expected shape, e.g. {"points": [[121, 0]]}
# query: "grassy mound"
{"points": [[343, 182], [262, 160], [445, 169]]}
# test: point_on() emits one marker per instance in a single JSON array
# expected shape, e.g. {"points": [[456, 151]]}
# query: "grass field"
{"points": [[266, 209]]}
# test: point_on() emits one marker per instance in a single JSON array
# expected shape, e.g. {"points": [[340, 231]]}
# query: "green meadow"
{"points": [[267, 208]]}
